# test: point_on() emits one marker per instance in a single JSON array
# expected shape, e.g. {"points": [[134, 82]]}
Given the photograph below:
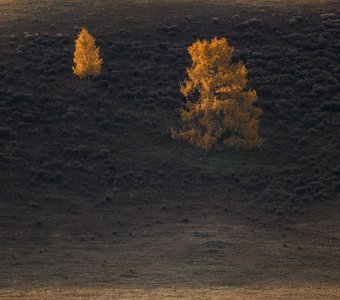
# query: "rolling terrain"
{"points": [[94, 193]]}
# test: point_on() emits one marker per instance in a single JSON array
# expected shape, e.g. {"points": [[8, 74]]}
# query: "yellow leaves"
{"points": [[223, 115], [86, 56], [209, 53], [227, 89]]}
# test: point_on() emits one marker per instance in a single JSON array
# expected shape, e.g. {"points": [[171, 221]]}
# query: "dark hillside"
{"points": [[94, 190]]}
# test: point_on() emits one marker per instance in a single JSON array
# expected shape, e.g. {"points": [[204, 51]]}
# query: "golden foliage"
{"points": [[223, 114], [86, 56]]}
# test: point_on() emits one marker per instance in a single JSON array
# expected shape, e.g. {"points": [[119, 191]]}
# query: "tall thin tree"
{"points": [[87, 60]]}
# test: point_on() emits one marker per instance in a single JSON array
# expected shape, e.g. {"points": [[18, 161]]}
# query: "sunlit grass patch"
{"points": [[320, 292]]}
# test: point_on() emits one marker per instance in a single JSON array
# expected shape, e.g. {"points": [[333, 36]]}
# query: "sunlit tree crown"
{"points": [[222, 114], [87, 61]]}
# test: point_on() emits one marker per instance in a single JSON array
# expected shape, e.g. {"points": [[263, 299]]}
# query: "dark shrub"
{"points": [[70, 116], [22, 97], [122, 116], [106, 125], [102, 154], [330, 106], [7, 133], [251, 23]]}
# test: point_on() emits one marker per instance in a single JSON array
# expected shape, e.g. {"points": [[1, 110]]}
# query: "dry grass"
{"points": [[320, 292]]}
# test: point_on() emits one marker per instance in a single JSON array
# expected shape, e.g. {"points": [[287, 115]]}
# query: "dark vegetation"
{"points": [[111, 144]]}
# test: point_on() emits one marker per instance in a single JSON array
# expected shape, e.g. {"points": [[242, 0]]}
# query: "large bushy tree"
{"points": [[220, 111]]}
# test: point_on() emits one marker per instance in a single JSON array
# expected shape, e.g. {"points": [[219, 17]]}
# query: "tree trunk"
{"points": [[89, 81]]}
